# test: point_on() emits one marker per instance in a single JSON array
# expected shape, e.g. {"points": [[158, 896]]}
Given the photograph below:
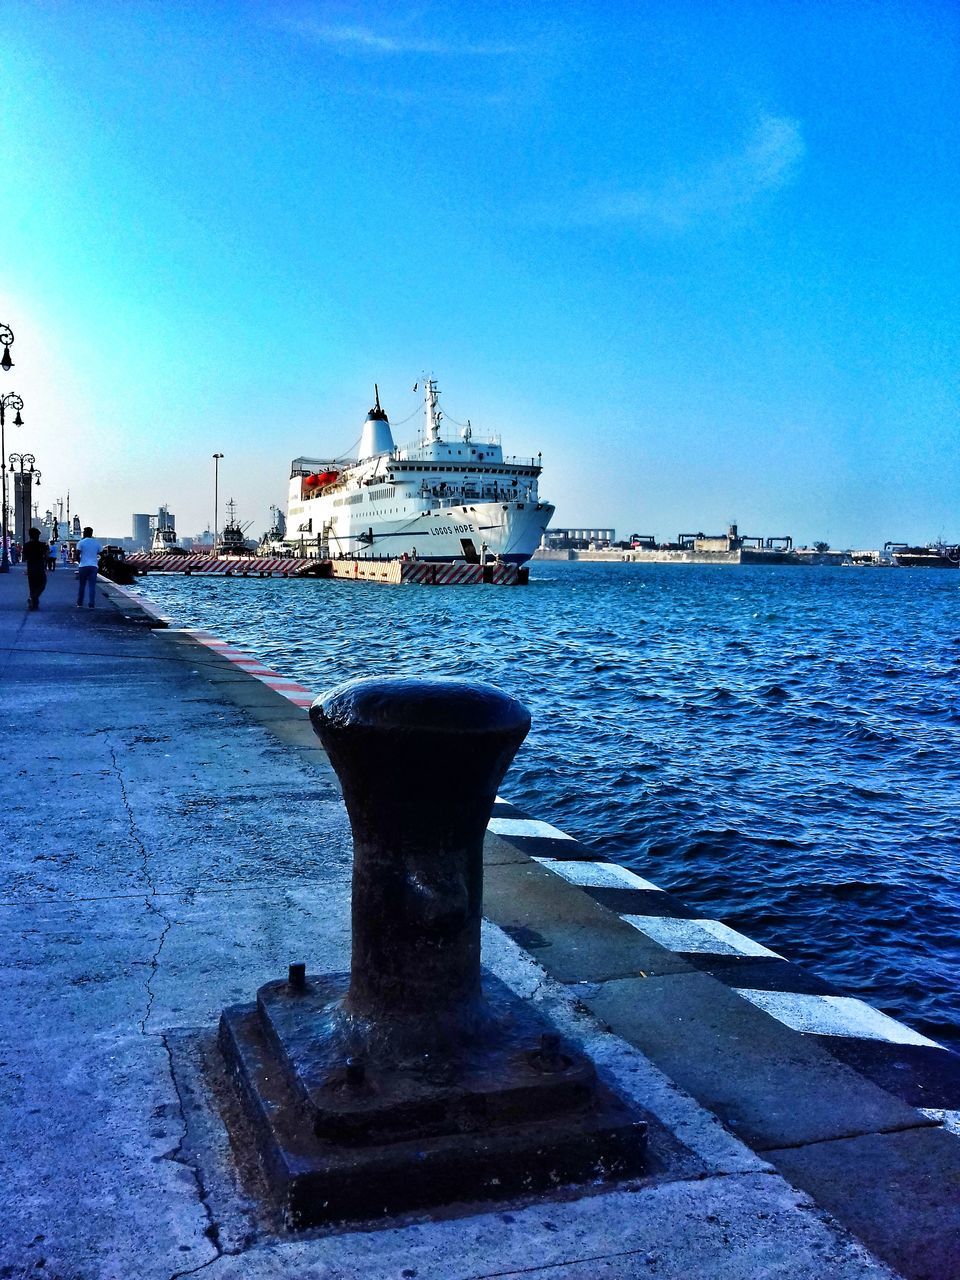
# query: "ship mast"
{"points": [[432, 410]]}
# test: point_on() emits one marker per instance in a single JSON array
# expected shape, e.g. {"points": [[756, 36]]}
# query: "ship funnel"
{"points": [[376, 436]]}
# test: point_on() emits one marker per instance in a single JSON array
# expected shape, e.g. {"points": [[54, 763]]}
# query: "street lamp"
{"points": [[216, 468], [6, 338], [10, 401], [21, 464]]}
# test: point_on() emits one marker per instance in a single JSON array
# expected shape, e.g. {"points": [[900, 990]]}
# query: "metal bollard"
{"points": [[420, 762], [418, 1078]]}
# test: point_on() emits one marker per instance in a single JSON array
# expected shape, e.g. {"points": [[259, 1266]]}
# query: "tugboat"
{"points": [[232, 541], [165, 536], [441, 499]]}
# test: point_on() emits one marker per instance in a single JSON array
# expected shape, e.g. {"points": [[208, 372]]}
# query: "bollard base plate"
{"points": [[496, 1126]]}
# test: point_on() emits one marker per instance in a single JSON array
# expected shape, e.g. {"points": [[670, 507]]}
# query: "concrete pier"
{"points": [[167, 811], [423, 572]]}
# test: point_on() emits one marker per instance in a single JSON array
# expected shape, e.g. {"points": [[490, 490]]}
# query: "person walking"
{"points": [[35, 558], [52, 554], [88, 551]]}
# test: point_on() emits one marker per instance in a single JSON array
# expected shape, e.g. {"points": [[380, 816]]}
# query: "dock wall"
{"points": [[225, 566], [686, 555], [425, 572], [619, 556]]}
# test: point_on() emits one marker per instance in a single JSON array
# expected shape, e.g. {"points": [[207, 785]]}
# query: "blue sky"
{"points": [[704, 257]]}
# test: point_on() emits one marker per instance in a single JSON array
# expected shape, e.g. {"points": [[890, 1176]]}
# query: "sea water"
{"points": [[778, 746]]}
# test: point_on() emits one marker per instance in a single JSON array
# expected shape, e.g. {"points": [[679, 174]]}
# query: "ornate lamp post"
{"points": [[25, 475], [10, 401], [216, 470]]}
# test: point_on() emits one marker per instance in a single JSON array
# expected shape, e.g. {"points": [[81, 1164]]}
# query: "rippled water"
{"points": [[778, 746]]}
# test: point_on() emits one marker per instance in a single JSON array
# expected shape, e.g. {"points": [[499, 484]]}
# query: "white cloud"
{"points": [[768, 161], [363, 40]]}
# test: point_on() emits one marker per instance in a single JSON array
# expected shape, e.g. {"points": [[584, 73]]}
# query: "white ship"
{"points": [[439, 499]]}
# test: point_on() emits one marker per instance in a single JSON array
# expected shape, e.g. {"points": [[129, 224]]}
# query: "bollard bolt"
{"points": [[297, 977], [548, 1057], [550, 1051]]}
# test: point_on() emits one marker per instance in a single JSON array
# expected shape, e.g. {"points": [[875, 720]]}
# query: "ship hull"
{"points": [[510, 531], [921, 561]]}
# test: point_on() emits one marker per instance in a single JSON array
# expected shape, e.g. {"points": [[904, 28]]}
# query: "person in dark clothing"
{"points": [[35, 558]]}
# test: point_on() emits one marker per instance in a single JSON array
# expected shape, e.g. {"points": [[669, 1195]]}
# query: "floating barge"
{"points": [[426, 572]]}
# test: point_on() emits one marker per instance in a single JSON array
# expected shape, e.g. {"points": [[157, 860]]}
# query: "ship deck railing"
{"points": [[458, 498]]}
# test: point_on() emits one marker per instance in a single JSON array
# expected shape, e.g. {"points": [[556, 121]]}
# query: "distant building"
{"points": [[577, 539], [142, 533]]}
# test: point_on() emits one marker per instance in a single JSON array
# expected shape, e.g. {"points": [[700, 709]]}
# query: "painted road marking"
{"points": [[704, 937], [525, 827], [833, 1016], [597, 875]]}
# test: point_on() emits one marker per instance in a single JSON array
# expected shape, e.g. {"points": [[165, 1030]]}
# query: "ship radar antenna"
{"points": [[431, 409], [376, 393]]}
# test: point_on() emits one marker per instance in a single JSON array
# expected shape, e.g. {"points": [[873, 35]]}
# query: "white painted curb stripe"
{"points": [[704, 937], [525, 827], [597, 875], [833, 1016], [949, 1119]]}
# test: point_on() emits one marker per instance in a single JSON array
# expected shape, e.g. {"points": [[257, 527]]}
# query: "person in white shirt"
{"points": [[88, 549]]}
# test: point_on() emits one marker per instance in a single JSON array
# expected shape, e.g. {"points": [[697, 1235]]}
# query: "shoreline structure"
{"points": [[175, 836]]}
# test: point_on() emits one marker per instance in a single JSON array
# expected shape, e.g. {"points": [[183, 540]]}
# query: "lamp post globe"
{"points": [[6, 339]]}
